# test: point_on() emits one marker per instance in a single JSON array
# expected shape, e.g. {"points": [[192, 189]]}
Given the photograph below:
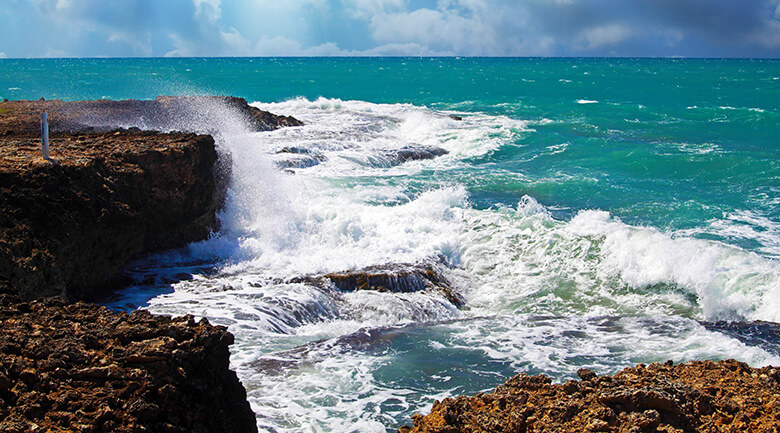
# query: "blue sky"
{"points": [[121, 28]]}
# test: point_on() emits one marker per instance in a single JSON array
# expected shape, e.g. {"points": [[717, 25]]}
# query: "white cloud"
{"points": [[209, 9], [596, 37], [410, 49], [769, 38], [233, 43], [2, 55], [391, 27], [281, 46], [365, 9], [461, 27]]}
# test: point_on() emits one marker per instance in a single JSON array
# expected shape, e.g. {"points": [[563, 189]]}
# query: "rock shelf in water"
{"points": [[396, 278], [83, 368], [697, 396]]}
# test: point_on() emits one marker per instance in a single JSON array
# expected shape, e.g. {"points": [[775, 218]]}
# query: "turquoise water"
{"points": [[676, 144], [593, 212]]}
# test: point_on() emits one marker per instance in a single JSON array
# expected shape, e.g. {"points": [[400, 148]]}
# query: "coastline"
{"points": [[108, 193], [163, 153], [69, 224]]}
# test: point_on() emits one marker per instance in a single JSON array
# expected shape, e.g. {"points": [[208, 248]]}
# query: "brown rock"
{"points": [[698, 396], [101, 392], [69, 224]]}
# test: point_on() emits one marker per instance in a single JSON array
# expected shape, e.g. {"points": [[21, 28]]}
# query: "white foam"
{"points": [[587, 101], [605, 344], [744, 226], [595, 264]]}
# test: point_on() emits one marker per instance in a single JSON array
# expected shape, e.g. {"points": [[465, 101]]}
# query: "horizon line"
{"points": [[387, 57]]}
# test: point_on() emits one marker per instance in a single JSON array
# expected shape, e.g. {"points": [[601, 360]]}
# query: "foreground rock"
{"points": [[698, 396], [395, 278], [69, 224], [83, 368]]}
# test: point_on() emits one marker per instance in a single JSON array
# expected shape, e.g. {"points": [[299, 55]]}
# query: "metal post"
{"points": [[45, 135]]}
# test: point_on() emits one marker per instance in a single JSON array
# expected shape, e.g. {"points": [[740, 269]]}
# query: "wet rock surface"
{"points": [[416, 153], [396, 278], [297, 157], [698, 396], [83, 368], [765, 335]]}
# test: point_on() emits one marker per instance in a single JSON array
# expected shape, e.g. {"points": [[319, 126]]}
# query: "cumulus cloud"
{"points": [[2, 55]]}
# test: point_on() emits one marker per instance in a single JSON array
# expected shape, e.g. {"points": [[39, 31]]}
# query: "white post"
{"points": [[45, 135]]}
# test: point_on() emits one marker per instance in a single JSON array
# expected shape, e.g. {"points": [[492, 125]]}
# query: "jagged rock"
{"points": [[698, 396], [81, 367], [397, 278]]}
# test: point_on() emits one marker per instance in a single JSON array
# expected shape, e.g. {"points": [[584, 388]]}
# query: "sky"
{"points": [[194, 28]]}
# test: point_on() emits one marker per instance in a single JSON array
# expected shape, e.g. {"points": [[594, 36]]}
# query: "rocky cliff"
{"points": [[70, 223], [698, 396], [83, 368]]}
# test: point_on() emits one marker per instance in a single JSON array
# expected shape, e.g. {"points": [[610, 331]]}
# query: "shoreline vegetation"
{"points": [[112, 191]]}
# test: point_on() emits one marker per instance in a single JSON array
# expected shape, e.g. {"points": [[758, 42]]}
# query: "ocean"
{"points": [[592, 212]]}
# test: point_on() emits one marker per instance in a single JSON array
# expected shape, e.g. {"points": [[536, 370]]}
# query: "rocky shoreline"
{"points": [[70, 223], [110, 191], [123, 180], [698, 396]]}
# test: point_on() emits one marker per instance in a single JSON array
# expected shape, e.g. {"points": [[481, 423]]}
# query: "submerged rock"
{"points": [[84, 368], [411, 153], [705, 396], [297, 157], [765, 335], [395, 278]]}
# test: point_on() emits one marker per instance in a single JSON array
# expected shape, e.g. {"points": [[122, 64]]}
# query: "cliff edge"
{"points": [[70, 223]]}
